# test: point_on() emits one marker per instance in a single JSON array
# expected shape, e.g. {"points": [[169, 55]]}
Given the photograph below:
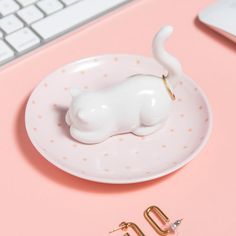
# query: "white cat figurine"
{"points": [[140, 104]]}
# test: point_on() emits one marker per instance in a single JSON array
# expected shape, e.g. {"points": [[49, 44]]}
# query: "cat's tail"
{"points": [[169, 62]]}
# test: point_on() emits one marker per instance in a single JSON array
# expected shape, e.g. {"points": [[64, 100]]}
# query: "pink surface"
{"points": [[39, 199]]}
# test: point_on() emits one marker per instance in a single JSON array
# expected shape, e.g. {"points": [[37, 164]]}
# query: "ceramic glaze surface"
{"points": [[124, 158], [140, 104]]}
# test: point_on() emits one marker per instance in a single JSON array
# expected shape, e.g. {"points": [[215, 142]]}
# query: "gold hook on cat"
{"points": [[124, 226], [172, 95]]}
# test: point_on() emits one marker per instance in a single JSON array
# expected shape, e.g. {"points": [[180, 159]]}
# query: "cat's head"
{"points": [[88, 110]]}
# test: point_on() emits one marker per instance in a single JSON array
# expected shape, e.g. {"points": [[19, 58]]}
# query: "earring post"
{"points": [[114, 230]]}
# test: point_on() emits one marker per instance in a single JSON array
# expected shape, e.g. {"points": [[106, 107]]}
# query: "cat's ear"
{"points": [[74, 92]]}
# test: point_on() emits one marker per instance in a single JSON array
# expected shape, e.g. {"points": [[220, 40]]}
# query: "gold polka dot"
{"points": [[127, 167], [179, 100], [185, 147], [206, 120], [105, 75], [63, 71], [82, 72], [85, 87], [147, 172], [45, 85], [106, 170], [54, 106], [180, 82], [195, 89], [84, 159], [66, 89], [40, 116], [83, 172], [59, 124], [190, 130], [143, 137], [200, 107], [181, 115], [33, 102], [138, 61], [95, 59], [64, 157], [74, 145], [115, 58], [172, 130], [121, 139], [202, 138], [106, 154], [163, 146], [35, 129], [51, 140]]}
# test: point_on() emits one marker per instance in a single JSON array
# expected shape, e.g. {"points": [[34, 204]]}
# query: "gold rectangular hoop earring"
{"points": [[170, 227], [160, 215]]}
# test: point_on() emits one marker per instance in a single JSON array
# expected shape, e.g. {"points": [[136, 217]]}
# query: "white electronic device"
{"points": [[221, 16], [28, 24]]}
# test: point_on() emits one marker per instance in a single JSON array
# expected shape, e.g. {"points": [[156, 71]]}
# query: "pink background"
{"points": [[39, 199]]}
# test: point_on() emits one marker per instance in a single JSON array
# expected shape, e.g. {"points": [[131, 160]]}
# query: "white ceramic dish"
{"points": [[125, 158]]}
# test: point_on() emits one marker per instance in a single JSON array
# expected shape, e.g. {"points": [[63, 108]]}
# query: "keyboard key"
{"points": [[23, 40], [49, 6], [11, 23], [5, 52], [8, 6], [26, 2], [68, 2], [30, 14], [74, 15]]}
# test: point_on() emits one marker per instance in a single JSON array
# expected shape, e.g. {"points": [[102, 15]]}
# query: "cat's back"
{"points": [[139, 83]]}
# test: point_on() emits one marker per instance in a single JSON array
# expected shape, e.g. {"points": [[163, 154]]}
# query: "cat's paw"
{"points": [[89, 137], [143, 131]]}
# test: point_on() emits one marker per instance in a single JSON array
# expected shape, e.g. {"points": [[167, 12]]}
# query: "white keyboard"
{"points": [[28, 24]]}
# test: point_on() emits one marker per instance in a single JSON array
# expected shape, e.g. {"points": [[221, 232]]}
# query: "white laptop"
{"points": [[221, 16]]}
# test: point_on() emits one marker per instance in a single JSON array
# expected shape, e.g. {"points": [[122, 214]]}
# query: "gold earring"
{"points": [[125, 226], [169, 227]]}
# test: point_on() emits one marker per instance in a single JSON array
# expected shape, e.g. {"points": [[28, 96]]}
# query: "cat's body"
{"points": [[139, 104]]}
